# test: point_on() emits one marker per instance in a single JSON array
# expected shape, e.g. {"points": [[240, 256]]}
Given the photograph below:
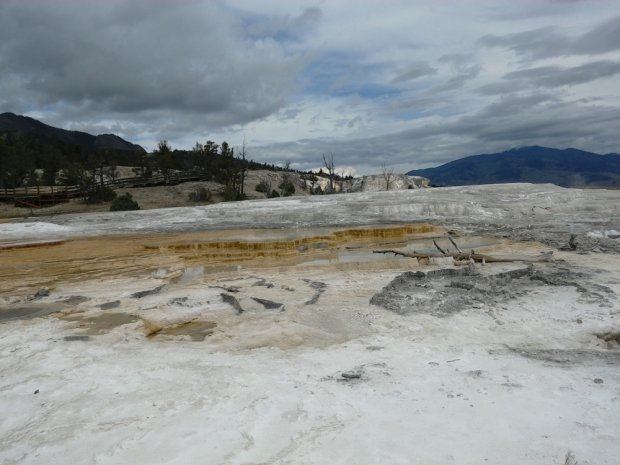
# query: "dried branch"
{"points": [[439, 248], [455, 245], [477, 257]]}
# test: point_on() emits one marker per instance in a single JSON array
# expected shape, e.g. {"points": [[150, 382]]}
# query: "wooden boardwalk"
{"points": [[44, 196]]}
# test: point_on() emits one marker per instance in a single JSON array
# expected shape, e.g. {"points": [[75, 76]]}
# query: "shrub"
{"points": [[274, 193], [287, 188], [100, 194], [230, 194], [202, 194], [123, 203], [263, 187]]}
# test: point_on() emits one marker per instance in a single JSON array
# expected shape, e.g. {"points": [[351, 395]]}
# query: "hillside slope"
{"points": [[11, 123], [566, 168]]}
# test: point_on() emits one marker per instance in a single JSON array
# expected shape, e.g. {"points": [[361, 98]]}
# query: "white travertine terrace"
{"points": [[515, 371]]}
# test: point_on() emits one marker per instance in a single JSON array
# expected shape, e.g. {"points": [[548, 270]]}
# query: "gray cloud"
{"points": [[536, 43], [551, 77], [603, 38], [499, 87], [517, 105], [547, 42], [415, 71], [457, 59], [457, 81], [323, 78], [309, 18], [554, 76], [529, 10], [283, 27], [126, 58], [534, 119]]}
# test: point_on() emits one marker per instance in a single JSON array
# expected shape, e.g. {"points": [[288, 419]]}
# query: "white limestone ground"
{"points": [[503, 207], [520, 379]]}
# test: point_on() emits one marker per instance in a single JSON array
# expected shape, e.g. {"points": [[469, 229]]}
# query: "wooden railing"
{"points": [[40, 196]]}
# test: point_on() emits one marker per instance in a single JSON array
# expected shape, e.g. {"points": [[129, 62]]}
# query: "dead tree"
{"points": [[388, 175], [328, 162], [243, 171]]}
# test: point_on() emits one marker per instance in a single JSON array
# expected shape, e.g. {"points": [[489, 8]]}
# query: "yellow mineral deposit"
{"points": [[27, 267]]}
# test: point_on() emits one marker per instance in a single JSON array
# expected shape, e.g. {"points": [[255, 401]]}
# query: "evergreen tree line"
{"points": [[27, 160]]}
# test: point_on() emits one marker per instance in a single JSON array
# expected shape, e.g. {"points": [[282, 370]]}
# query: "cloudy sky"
{"points": [[407, 83]]}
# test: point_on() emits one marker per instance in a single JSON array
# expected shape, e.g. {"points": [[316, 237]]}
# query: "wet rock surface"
{"points": [[319, 287], [29, 312], [75, 300], [233, 302], [43, 292], [567, 356], [100, 324], [195, 330], [612, 338], [148, 292], [444, 292], [110, 305], [268, 304], [76, 338]]}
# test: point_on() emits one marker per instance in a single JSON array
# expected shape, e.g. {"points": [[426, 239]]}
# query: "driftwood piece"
{"points": [[477, 257], [442, 251], [461, 257], [457, 256], [455, 245]]}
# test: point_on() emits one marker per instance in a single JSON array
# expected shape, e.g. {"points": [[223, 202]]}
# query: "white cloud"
{"points": [[402, 82]]}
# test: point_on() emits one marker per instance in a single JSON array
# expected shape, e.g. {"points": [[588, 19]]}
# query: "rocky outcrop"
{"points": [[378, 183]]}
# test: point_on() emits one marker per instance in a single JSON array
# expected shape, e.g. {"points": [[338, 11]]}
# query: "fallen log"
{"points": [[477, 257]]}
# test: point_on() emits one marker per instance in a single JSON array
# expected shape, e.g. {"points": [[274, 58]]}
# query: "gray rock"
{"points": [[43, 292], [268, 304], [141, 294], [75, 300], [27, 313], [319, 287], [447, 291], [233, 302], [263, 282], [110, 305], [76, 338]]}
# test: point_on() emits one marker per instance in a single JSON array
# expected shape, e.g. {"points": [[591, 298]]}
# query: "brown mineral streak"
{"points": [[28, 266]]}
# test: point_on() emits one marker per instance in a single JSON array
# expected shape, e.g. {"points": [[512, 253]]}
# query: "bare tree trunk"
{"points": [[243, 171], [331, 171], [101, 167], [388, 174]]}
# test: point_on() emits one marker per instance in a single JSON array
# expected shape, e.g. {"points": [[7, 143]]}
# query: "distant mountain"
{"points": [[30, 127], [567, 168]]}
